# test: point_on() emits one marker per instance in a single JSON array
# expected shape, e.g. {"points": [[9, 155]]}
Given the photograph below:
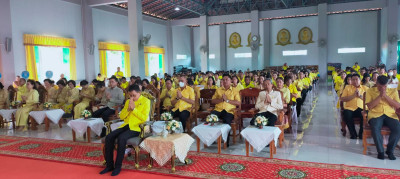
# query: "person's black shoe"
{"points": [[391, 155], [116, 172], [103, 132], [106, 170], [381, 155]]}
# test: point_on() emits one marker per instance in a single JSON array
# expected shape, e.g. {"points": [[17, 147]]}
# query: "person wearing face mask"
{"points": [[135, 112], [382, 103], [352, 96], [393, 81], [182, 100]]}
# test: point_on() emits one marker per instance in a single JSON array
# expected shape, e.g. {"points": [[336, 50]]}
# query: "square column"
{"points": [[88, 41], [392, 26], [7, 68], [255, 23], [204, 42], [323, 36], [222, 47], [135, 21]]}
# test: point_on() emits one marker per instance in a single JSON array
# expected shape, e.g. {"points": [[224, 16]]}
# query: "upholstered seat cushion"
{"points": [[134, 141]]}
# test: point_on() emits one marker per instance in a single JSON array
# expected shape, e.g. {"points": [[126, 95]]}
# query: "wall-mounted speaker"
{"points": [[8, 44]]}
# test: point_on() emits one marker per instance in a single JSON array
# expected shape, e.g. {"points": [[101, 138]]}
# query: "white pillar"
{"points": [[88, 41], [135, 21], [266, 43], [222, 47], [323, 35], [204, 42], [392, 23], [170, 50], [255, 23], [7, 68]]}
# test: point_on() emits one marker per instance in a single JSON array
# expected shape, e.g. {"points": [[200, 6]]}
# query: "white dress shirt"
{"points": [[274, 106]]}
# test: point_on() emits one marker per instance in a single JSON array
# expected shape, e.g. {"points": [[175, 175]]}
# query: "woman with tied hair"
{"points": [[30, 98], [210, 83], [87, 94]]}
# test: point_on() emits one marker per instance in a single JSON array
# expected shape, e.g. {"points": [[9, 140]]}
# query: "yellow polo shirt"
{"points": [[124, 85], [101, 78], [338, 83], [286, 94], [356, 102], [383, 107], [251, 85], [231, 94], [188, 93], [167, 101], [357, 68], [137, 116], [293, 90], [119, 74]]}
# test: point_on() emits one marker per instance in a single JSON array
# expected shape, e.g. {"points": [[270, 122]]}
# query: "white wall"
{"points": [[238, 63], [181, 45], [353, 30], [294, 25], [214, 48], [46, 17]]}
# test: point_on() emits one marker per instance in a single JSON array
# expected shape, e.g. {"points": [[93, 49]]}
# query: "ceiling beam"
{"points": [[169, 1], [94, 3]]}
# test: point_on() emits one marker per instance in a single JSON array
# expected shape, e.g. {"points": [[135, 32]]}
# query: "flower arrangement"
{"points": [[260, 121], [166, 116], [47, 105], [86, 114], [14, 104], [173, 125], [212, 118]]}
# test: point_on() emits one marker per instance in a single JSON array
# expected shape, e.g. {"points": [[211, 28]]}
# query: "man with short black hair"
{"points": [[135, 112], [382, 103], [114, 97]]}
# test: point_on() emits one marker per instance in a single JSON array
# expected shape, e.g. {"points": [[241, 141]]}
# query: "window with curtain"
{"points": [[154, 61], [55, 59], [115, 59]]}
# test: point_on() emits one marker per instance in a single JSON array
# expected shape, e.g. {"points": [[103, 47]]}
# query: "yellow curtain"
{"points": [[31, 62], [103, 62], [30, 41], [104, 46], [156, 50]]}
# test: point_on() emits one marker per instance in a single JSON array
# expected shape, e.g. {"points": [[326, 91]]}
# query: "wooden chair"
{"points": [[43, 95], [248, 103], [357, 120], [205, 100], [144, 132], [156, 93], [367, 133]]}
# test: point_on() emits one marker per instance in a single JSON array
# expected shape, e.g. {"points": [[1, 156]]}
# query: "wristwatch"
{"points": [[227, 101]]}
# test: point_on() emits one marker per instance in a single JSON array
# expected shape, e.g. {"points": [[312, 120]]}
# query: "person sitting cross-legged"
{"points": [[183, 100], [353, 104], [135, 112], [382, 103], [226, 99], [268, 103]]}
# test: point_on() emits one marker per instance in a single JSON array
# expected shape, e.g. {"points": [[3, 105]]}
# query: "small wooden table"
{"points": [[208, 134], [85, 126], [259, 138]]}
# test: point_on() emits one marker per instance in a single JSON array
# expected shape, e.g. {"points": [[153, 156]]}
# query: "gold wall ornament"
{"points": [[235, 40], [305, 36], [249, 40], [283, 37]]}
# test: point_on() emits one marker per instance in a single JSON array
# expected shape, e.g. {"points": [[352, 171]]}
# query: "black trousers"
{"points": [[183, 117], [226, 118], [104, 113], [272, 118], [121, 135], [376, 126], [299, 102], [348, 118]]}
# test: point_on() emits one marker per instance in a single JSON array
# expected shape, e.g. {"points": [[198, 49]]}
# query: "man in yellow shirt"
{"points": [[382, 103], [352, 97], [248, 83], [182, 99], [226, 98], [119, 74], [356, 67], [135, 112], [166, 95], [124, 83]]}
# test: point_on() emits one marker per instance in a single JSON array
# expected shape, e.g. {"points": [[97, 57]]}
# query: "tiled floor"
{"points": [[316, 138]]}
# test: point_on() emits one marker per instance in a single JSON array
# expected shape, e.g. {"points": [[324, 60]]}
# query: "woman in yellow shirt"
{"points": [[31, 97], [366, 81], [87, 94], [166, 95], [210, 83], [236, 84], [3, 97], [154, 82]]}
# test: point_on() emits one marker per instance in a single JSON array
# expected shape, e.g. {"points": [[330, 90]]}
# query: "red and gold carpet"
{"points": [[201, 165]]}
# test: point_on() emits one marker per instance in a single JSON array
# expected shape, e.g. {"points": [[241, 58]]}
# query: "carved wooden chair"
{"points": [[204, 103], [248, 103]]}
